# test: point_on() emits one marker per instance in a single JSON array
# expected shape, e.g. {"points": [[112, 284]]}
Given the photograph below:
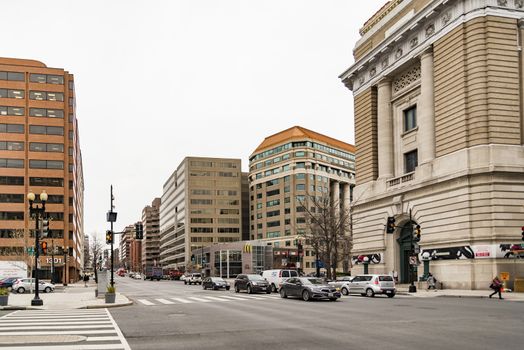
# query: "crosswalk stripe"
{"points": [[233, 298], [56, 327], [78, 332], [71, 347], [36, 323], [183, 301], [102, 338], [145, 302], [217, 299], [251, 297], [200, 299], [164, 301]]}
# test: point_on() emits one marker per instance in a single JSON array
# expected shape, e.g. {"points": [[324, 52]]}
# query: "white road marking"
{"points": [[164, 301], [183, 301], [145, 302], [200, 299], [217, 299], [234, 298]]}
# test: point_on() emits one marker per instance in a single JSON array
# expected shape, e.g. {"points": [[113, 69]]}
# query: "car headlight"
{"points": [[317, 290], [254, 283]]}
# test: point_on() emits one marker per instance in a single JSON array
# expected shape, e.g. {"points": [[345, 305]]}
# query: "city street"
{"points": [[171, 315]]}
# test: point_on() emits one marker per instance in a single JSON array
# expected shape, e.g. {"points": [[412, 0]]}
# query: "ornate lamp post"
{"points": [[38, 213], [366, 263], [426, 259]]}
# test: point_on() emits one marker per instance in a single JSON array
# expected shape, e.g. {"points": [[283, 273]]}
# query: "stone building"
{"points": [[151, 240], [439, 129]]}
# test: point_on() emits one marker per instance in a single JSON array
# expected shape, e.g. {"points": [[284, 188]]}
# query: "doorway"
{"points": [[405, 242]]}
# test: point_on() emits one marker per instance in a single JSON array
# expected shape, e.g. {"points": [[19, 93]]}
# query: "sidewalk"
{"points": [[72, 296], [459, 293]]}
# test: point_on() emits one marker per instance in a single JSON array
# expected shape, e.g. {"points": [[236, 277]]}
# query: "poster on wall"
{"points": [[485, 251], [373, 258]]}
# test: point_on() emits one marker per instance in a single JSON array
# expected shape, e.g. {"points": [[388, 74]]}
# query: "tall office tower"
{"points": [[201, 205], [151, 240], [40, 151], [284, 169], [439, 131]]}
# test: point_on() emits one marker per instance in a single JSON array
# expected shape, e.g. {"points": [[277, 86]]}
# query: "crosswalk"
{"points": [[205, 299], [61, 329]]}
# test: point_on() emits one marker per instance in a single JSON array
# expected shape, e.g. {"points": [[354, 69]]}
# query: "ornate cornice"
{"points": [[418, 34]]}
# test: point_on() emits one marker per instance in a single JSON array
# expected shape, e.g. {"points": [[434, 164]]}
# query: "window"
{"points": [[12, 180], [13, 76], [11, 198], [11, 215], [46, 164], [410, 118], [46, 181], [410, 161], [37, 78], [273, 203], [45, 96], [46, 147], [300, 187], [300, 176], [11, 163], [13, 111], [301, 165], [46, 130], [301, 220], [300, 154], [272, 193], [43, 112], [11, 146], [273, 213], [202, 201]]}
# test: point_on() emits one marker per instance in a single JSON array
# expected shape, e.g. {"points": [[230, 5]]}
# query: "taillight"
{"points": [[279, 273], [376, 281]]}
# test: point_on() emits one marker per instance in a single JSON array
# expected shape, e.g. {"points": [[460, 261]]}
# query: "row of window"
{"points": [[33, 77], [218, 202], [33, 163], [211, 230], [210, 220], [218, 192], [33, 95], [33, 146], [302, 165], [214, 173], [315, 145], [207, 164], [33, 129], [33, 112]]}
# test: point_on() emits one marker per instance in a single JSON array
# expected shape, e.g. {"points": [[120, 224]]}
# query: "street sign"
{"points": [[504, 276], [413, 260]]}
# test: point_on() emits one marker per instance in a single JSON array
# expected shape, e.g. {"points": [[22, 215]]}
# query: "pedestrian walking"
{"points": [[432, 282], [496, 285], [395, 276], [86, 279]]}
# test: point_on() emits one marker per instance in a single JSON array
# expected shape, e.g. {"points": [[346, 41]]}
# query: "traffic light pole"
{"points": [[38, 212], [112, 239], [412, 287]]}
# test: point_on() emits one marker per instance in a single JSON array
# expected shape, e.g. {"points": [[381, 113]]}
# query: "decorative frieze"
{"points": [[406, 79]]}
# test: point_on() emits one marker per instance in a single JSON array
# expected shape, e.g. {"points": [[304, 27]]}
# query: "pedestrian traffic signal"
{"points": [[139, 230], [390, 226], [109, 237], [45, 228], [193, 258], [417, 233], [43, 245]]}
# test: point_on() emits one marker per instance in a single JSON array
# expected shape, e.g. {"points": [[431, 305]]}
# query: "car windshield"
{"points": [[385, 278], [316, 281], [255, 278]]}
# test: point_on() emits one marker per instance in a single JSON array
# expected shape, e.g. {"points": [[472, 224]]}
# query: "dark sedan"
{"points": [[251, 284], [308, 288], [8, 282], [215, 283]]}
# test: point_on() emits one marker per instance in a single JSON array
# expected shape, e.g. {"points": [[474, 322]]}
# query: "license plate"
{"points": [[330, 294], [388, 292], [263, 288]]}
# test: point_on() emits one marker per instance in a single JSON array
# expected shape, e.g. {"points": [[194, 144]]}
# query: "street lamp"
{"points": [[111, 217], [38, 213], [366, 263], [426, 259], [412, 287]]}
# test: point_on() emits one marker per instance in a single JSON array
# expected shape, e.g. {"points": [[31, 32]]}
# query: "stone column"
{"points": [[345, 198], [521, 63], [385, 130], [335, 195], [426, 109]]}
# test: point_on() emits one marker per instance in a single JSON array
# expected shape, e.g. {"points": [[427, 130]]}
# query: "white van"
{"points": [[276, 277]]}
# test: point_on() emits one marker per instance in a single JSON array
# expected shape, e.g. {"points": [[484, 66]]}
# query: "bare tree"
{"points": [[96, 251]]}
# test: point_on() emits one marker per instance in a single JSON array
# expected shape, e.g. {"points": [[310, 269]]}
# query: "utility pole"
{"points": [[111, 217]]}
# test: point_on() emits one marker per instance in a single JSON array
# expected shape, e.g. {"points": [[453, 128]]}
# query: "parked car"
{"points": [[183, 278], [24, 284], [215, 283], [342, 284], [369, 285], [276, 277], [8, 282], [193, 278], [175, 274], [252, 284], [137, 276], [308, 288]]}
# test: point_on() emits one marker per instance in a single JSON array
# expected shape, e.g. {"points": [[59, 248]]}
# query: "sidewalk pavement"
{"points": [[459, 293], [72, 296]]}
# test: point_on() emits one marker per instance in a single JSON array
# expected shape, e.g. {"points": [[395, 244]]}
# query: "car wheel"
{"points": [[227, 288], [21, 290], [215, 288], [305, 295], [237, 290], [185, 282], [391, 295], [283, 293], [332, 299], [268, 291], [370, 293], [345, 291], [249, 290], [363, 294], [273, 288], [47, 289]]}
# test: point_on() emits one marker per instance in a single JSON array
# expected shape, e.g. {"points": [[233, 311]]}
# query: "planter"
{"points": [[3, 300], [110, 298]]}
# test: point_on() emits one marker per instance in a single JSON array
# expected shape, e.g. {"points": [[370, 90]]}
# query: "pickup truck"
{"points": [[194, 278], [153, 273]]}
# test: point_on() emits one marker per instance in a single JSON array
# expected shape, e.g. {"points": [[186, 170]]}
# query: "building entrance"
{"points": [[405, 242]]}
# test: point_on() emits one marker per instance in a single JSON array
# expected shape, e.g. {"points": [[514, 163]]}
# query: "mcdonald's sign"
{"points": [[247, 248]]}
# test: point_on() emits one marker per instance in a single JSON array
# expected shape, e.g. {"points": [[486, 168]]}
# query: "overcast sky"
{"points": [[157, 81]]}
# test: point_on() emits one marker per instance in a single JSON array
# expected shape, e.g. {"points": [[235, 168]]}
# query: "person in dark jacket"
{"points": [[86, 279], [496, 285]]}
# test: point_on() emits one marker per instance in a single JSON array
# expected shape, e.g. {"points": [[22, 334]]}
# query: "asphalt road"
{"points": [[353, 322]]}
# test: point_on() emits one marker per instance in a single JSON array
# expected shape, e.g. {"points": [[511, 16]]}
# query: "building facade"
{"points": [[125, 246], [284, 169], [151, 240], [439, 134], [40, 151], [201, 205]]}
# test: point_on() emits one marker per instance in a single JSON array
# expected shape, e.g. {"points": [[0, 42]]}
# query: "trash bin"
{"points": [[518, 285]]}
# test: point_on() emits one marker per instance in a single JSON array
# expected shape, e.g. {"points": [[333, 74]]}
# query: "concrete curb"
{"points": [[106, 306]]}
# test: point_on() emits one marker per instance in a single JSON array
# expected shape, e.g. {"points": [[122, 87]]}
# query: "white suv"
{"points": [[369, 285], [195, 278], [25, 284]]}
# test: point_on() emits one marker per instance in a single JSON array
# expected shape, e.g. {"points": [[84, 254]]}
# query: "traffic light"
{"points": [[522, 228], [43, 245], [45, 228], [139, 230], [299, 248], [390, 226], [417, 233], [109, 237]]}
